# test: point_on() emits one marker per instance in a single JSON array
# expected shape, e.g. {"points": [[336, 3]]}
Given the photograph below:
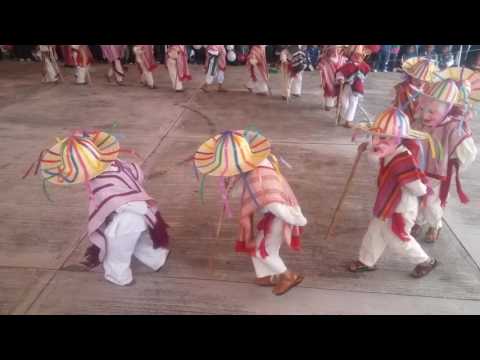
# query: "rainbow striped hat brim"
{"points": [[231, 153], [77, 159]]}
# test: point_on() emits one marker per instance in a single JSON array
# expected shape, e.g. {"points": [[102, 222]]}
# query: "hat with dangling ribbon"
{"points": [[79, 158], [393, 122], [419, 68], [231, 153], [468, 82]]}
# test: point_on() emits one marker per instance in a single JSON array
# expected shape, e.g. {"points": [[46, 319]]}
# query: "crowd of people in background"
{"points": [[388, 59]]}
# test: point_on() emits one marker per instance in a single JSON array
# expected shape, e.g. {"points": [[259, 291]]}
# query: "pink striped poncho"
{"points": [[328, 66], [119, 185], [113, 52]]}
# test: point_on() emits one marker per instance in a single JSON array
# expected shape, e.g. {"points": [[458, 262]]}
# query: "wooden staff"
{"points": [[217, 236], [345, 191], [229, 185], [340, 93]]}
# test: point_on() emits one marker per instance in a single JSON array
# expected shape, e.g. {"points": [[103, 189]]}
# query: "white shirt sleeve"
{"points": [[466, 153], [289, 214]]}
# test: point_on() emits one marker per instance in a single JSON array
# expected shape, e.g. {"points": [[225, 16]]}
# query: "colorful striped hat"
{"points": [[393, 122], [231, 153], [468, 82], [422, 69], [445, 91], [79, 157]]}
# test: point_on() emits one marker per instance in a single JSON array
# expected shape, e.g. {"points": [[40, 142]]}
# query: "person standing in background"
{"points": [[394, 61], [429, 53], [408, 52], [23, 52], [445, 58], [113, 54], [383, 59], [67, 56]]}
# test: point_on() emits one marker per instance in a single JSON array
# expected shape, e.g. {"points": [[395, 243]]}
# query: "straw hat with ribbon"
{"points": [[467, 81], [77, 159], [393, 122], [444, 91], [422, 69], [231, 153]]}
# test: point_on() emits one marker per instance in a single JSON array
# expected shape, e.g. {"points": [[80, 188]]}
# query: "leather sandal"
{"points": [[424, 268], [358, 266], [271, 280], [287, 281]]}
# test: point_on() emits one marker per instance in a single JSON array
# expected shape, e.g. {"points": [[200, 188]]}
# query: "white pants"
{"points": [[349, 103], [119, 73], [147, 79], [292, 85], [172, 71], [259, 86], [50, 71], [272, 264], [219, 77], [380, 234], [124, 243], [432, 213], [81, 74], [330, 101]]}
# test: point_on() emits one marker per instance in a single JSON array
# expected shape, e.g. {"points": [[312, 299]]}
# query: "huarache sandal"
{"points": [[358, 266], [424, 268], [287, 281], [271, 280]]}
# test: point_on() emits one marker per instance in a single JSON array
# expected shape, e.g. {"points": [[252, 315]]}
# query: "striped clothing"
{"points": [[119, 185], [113, 52], [216, 59], [328, 66], [404, 95], [267, 187], [257, 57], [400, 170], [179, 54], [145, 58]]}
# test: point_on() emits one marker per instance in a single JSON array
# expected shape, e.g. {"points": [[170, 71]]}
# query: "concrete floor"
{"points": [[40, 240]]}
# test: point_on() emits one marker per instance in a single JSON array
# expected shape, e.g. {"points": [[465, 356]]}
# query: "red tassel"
{"points": [[295, 242], [462, 196], [262, 248], [398, 227], [240, 246]]}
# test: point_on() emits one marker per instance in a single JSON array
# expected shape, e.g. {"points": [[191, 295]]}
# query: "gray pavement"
{"points": [[39, 239]]}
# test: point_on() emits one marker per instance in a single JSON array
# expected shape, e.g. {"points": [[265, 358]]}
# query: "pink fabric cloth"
{"points": [[183, 70], [449, 134], [328, 66], [113, 52], [147, 57], [257, 52], [112, 189]]}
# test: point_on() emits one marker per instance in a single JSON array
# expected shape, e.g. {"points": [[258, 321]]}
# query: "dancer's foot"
{"points": [[424, 268], [287, 281]]}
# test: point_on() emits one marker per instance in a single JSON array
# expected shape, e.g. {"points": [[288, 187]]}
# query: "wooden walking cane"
{"points": [[214, 245], [229, 185], [342, 198], [340, 93]]}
